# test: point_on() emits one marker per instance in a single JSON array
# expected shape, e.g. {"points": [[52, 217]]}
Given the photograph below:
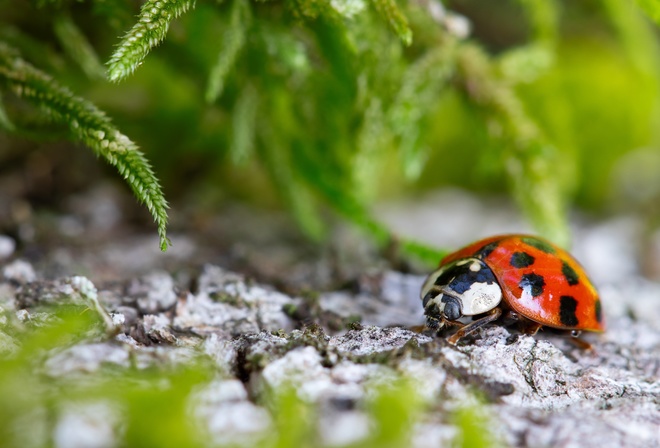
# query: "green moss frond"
{"points": [[293, 418], [277, 158], [389, 10], [526, 63], [420, 91], [372, 143], [475, 428], [89, 125], [637, 35], [234, 39], [31, 48], [310, 9], [651, 8], [148, 32], [76, 45], [528, 155], [543, 18], [244, 123], [5, 122], [393, 408], [118, 14]]}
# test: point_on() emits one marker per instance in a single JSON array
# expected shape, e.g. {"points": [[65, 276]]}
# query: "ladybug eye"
{"points": [[427, 298], [575, 333], [452, 310]]}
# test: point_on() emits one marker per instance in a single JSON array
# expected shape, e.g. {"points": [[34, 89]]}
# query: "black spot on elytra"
{"points": [[486, 250], [599, 311], [521, 260], [567, 308], [538, 244], [460, 278], [532, 282], [571, 276]]}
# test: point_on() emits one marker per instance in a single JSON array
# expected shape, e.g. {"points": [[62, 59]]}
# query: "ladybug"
{"points": [[519, 278]]}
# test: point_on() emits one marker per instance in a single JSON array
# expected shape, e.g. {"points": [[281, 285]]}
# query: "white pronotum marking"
{"points": [[479, 299]]}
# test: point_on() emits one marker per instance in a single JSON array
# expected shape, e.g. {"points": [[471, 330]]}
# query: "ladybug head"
{"points": [[465, 287]]}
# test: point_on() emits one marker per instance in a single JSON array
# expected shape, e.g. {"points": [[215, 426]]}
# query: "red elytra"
{"points": [[539, 282]]}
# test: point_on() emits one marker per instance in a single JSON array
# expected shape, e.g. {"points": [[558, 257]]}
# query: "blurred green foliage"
{"points": [[155, 402], [319, 104]]}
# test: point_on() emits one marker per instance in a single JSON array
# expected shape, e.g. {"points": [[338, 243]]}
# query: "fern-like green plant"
{"points": [[87, 124], [77, 46], [244, 126], [528, 155], [389, 10], [5, 122], [150, 30], [334, 100], [234, 39]]}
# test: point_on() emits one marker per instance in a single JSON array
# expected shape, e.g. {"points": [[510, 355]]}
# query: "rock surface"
{"points": [[334, 346]]}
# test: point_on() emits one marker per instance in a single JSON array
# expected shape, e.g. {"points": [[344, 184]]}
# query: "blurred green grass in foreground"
{"points": [[155, 405]]}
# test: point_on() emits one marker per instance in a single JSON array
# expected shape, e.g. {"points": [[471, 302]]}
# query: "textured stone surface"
{"points": [[334, 344]]}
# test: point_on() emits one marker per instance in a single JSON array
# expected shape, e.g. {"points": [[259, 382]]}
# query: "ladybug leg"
{"points": [[453, 323], [527, 326], [437, 324], [474, 326], [510, 317], [579, 343]]}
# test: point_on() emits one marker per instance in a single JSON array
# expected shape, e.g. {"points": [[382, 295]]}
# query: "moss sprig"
{"points": [[150, 30], [89, 125], [389, 10], [76, 45], [234, 39], [527, 152]]}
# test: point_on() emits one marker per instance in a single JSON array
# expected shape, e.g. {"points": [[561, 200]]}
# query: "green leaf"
{"points": [[89, 125], [153, 23]]}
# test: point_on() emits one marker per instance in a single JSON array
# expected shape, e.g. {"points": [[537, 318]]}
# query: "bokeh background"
{"points": [[324, 108]]}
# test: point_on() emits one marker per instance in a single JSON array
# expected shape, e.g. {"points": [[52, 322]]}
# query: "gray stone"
{"points": [[86, 358], [225, 301], [154, 292], [7, 246], [373, 339], [86, 425], [19, 271]]}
